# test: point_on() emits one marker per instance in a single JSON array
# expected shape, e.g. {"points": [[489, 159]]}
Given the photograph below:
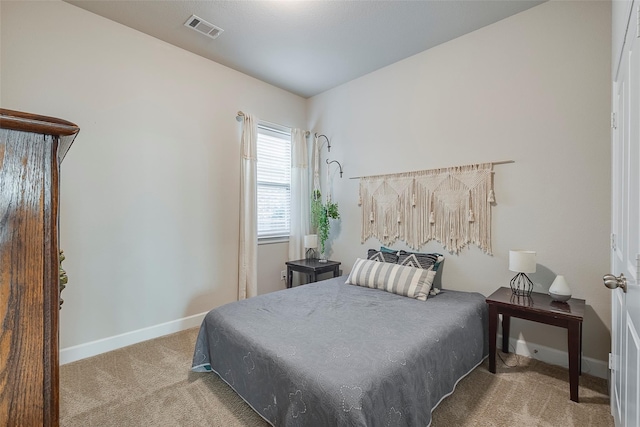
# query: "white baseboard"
{"points": [[93, 348], [595, 367], [598, 368]]}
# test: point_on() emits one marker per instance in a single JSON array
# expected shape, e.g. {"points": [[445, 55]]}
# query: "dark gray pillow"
{"points": [[376, 255], [419, 260]]}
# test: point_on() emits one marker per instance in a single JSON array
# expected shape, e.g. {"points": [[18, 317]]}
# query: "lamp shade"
{"points": [[311, 241], [522, 261]]}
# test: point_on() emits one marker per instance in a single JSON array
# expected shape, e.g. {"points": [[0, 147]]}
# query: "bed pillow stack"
{"points": [[399, 279], [428, 261]]}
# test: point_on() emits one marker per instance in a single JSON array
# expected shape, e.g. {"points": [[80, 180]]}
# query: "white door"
{"points": [[625, 258]]}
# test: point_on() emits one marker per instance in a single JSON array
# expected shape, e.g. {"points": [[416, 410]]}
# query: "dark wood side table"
{"points": [[311, 267], [538, 308]]}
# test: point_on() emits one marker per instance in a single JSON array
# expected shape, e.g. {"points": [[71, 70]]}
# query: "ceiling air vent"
{"points": [[204, 27]]}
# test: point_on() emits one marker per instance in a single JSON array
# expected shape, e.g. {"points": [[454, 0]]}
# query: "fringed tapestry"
{"points": [[449, 205]]}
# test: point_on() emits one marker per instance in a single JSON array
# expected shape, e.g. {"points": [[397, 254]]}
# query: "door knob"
{"points": [[612, 282]]}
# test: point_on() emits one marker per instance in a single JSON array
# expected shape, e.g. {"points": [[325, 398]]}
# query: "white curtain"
{"points": [[248, 247], [300, 196], [316, 165]]}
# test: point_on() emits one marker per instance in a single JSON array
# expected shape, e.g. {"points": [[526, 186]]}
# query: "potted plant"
{"points": [[321, 213]]}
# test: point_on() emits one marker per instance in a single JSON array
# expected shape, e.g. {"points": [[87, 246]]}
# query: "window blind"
{"points": [[274, 181]]}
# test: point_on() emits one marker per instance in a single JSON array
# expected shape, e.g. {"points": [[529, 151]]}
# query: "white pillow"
{"points": [[399, 279]]}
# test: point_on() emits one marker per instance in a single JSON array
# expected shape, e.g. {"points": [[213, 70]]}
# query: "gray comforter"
{"points": [[331, 354]]}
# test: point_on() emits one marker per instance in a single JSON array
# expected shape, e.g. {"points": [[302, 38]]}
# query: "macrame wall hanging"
{"points": [[449, 205]]}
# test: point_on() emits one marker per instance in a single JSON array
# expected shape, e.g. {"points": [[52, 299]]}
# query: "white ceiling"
{"points": [[308, 47]]}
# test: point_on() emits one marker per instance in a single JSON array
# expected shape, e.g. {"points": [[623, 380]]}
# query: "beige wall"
{"points": [[271, 262], [533, 88], [149, 190]]}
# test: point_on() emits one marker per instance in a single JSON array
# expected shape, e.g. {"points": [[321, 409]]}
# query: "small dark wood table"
{"points": [[538, 308], [311, 267]]}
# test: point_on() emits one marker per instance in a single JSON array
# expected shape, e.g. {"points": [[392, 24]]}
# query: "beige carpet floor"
{"points": [[150, 384]]}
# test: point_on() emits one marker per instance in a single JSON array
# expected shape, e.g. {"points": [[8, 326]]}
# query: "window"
{"points": [[274, 181]]}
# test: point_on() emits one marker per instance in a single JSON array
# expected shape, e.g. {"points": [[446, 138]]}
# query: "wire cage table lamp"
{"points": [[310, 244], [522, 262]]}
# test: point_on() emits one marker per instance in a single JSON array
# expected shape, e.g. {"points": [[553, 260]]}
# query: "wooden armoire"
{"points": [[31, 150]]}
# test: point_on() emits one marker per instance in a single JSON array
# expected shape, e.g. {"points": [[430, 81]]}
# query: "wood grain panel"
{"points": [[22, 223], [51, 290]]}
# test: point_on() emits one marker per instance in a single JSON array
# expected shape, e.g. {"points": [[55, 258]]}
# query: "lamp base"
{"points": [[559, 298], [521, 285], [311, 254]]}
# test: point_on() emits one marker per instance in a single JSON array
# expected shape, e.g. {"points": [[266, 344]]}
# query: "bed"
{"points": [[334, 354]]}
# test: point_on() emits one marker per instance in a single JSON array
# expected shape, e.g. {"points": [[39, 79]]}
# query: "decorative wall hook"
{"points": [[325, 137], [334, 161]]}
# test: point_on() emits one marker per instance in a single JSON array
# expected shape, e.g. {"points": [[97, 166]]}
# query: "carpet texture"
{"points": [[150, 384]]}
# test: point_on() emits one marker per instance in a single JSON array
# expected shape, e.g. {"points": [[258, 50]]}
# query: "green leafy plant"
{"points": [[321, 213]]}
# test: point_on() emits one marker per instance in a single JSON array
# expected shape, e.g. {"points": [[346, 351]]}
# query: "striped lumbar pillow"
{"points": [[399, 279]]}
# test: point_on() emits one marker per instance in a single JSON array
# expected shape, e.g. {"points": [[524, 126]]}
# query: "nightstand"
{"points": [[538, 308], [311, 267]]}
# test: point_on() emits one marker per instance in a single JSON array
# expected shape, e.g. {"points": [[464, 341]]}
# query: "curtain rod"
{"points": [[502, 162], [240, 115]]}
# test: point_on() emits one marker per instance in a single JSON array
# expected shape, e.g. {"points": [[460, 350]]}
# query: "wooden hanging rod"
{"points": [[240, 115], [502, 162]]}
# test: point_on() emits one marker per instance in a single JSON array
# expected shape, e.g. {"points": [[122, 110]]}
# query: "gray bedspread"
{"points": [[331, 354]]}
